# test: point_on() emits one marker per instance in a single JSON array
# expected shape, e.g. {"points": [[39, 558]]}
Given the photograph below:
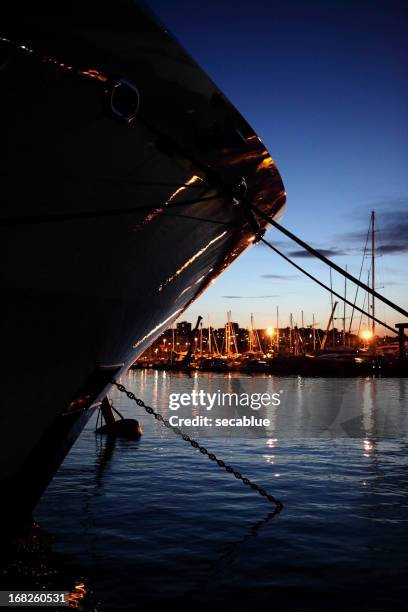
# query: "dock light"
{"points": [[366, 334], [270, 331]]}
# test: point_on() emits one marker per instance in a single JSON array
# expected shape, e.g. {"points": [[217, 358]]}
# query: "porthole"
{"points": [[123, 100]]}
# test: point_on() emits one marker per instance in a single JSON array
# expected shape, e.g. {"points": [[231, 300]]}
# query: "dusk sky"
{"points": [[324, 84]]}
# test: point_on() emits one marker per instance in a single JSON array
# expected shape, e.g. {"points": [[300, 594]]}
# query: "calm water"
{"points": [[154, 522]]}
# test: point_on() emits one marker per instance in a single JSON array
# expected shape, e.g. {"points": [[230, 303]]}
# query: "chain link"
{"points": [[228, 468]]}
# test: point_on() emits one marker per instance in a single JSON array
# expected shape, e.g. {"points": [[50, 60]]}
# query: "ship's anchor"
{"points": [[179, 432], [121, 428]]}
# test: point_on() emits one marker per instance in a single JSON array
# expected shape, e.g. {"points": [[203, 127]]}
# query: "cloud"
{"points": [[325, 252], [392, 249], [395, 203], [392, 283], [382, 206], [391, 233], [281, 276], [248, 297], [392, 236]]}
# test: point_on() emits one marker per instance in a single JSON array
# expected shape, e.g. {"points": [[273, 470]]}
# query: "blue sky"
{"points": [[324, 84]]}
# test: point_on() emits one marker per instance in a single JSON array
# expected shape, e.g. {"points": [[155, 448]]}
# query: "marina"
{"points": [[295, 350]]}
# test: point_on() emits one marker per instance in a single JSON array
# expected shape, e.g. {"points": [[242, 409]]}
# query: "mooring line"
{"points": [[326, 260], [316, 280], [179, 432]]}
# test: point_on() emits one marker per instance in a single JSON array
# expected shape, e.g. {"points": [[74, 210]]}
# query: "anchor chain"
{"points": [[179, 432]]}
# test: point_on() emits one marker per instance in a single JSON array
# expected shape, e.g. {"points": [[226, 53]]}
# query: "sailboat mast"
{"points": [[373, 271], [227, 339], [344, 310], [314, 333], [291, 333], [172, 344], [331, 297]]}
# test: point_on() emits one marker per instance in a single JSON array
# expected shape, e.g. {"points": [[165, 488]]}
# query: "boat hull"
{"points": [[110, 228]]}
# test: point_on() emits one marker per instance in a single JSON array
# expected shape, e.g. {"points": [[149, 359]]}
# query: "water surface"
{"points": [[155, 522]]}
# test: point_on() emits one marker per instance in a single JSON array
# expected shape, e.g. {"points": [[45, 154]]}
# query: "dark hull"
{"points": [[99, 253]]}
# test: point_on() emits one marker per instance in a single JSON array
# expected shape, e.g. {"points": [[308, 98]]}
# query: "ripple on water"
{"points": [[157, 522]]}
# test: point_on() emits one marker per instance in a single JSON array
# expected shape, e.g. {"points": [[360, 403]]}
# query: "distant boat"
{"points": [[107, 127]]}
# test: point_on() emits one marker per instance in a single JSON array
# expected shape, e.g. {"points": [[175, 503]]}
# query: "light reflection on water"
{"points": [[155, 521]]}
